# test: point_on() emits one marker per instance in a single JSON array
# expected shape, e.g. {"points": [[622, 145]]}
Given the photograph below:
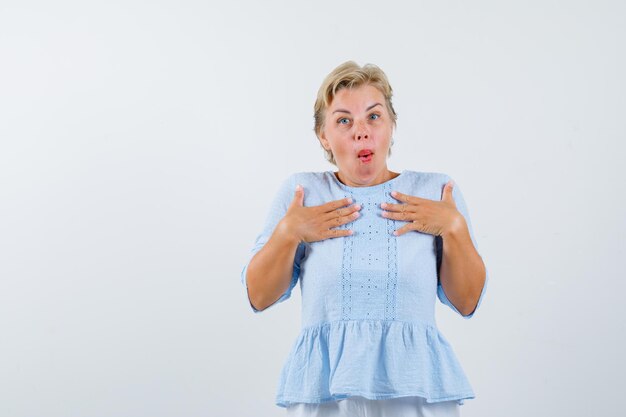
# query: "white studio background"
{"points": [[142, 142]]}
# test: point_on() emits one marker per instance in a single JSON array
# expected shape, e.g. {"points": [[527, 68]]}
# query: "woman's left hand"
{"points": [[424, 215]]}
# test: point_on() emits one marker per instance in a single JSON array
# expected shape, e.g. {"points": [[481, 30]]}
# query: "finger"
{"points": [[399, 207], [447, 192], [334, 205], [411, 199], [340, 212], [404, 229], [332, 233], [340, 220], [406, 216], [298, 196]]}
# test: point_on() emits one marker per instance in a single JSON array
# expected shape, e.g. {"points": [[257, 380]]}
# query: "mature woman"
{"points": [[373, 249]]}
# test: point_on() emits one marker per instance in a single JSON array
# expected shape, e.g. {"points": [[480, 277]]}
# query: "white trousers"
{"points": [[357, 406]]}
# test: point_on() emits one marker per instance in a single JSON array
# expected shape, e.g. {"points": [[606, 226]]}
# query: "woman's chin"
{"points": [[363, 174]]}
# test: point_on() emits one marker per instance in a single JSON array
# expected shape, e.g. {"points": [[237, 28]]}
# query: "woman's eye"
{"points": [[374, 116], [343, 121]]}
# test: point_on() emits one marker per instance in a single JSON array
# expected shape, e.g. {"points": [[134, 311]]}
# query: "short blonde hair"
{"points": [[350, 75]]}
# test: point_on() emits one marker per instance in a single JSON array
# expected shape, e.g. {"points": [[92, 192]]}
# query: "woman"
{"points": [[372, 249]]}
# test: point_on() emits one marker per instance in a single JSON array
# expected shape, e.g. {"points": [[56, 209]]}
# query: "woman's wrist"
{"points": [[285, 234], [456, 228]]}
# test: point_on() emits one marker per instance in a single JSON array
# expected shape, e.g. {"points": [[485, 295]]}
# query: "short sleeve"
{"points": [[457, 195], [277, 211]]}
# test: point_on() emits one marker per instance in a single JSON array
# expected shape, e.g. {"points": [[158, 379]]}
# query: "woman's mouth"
{"points": [[366, 155]]}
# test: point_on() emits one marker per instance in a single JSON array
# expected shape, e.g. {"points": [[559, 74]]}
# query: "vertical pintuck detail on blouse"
{"points": [[392, 266], [346, 269], [369, 270]]}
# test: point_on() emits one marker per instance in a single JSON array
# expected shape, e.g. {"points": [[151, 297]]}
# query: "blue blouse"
{"points": [[368, 300]]}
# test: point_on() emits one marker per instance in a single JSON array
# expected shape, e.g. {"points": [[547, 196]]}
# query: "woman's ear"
{"points": [[324, 141]]}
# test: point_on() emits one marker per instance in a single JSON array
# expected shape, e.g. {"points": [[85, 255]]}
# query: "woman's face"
{"points": [[357, 120]]}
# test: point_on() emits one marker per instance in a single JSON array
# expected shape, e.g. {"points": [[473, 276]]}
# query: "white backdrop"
{"points": [[142, 142]]}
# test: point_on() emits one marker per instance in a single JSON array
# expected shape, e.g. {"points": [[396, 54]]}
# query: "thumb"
{"points": [[447, 192], [298, 198]]}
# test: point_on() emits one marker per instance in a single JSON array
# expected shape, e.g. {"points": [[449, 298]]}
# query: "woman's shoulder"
{"points": [[305, 178], [427, 176], [311, 176]]}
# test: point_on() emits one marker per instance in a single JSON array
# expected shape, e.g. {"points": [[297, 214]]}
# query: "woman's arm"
{"points": [[270, 269], [462, 272]]}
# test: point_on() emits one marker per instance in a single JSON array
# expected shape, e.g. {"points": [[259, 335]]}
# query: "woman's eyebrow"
{"points": [[346, 111]]}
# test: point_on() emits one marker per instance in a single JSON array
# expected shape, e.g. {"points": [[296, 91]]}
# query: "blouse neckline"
{"points": [[367, 189]]}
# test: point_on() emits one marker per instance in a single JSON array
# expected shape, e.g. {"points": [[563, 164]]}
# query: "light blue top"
{"points": [[368, 300]]}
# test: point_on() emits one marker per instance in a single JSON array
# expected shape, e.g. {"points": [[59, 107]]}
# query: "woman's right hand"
{"points": [[311, 224]]}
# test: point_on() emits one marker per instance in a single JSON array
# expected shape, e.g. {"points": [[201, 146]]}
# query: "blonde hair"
{"points": [[350, 75]]}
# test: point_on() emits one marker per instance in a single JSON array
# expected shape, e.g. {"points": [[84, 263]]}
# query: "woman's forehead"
{"points": [[360, 98]]}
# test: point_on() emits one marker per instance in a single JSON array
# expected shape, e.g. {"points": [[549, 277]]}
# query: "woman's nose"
{"points": [[361, 133]]}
